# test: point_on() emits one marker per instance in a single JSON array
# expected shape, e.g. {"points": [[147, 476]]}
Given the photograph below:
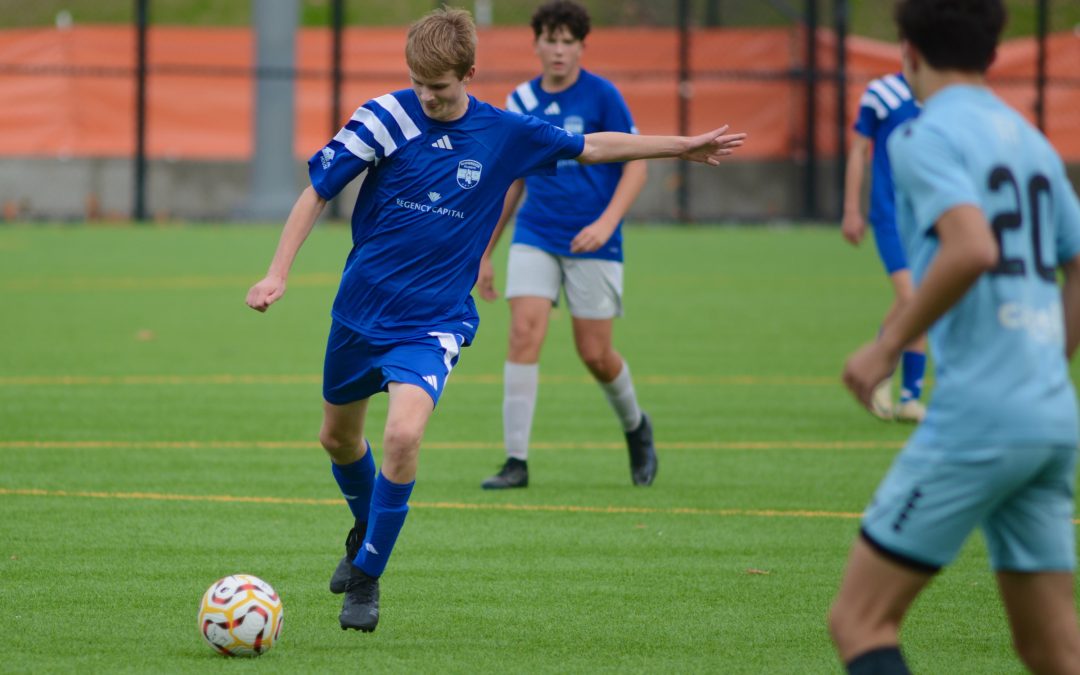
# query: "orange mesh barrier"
{"points": [[741, 77]]}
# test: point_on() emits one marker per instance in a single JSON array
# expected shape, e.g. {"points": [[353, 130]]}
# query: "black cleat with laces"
{"points": [[360, 611], [642, 452], [344, 566], [513, 474]]}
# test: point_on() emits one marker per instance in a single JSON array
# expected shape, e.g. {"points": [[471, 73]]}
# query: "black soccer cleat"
{"points": [[360, 611], [642, 452], [513, 474], [344, 567]]}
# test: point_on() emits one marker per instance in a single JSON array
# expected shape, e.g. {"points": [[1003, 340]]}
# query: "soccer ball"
{"points": [[240, 615]]}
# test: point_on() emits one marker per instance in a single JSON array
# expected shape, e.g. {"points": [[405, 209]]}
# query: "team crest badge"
{"points": [[468, 173], [574, 124]]}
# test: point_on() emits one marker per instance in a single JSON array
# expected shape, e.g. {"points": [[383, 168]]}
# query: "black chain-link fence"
{"points": [[161, 122]]}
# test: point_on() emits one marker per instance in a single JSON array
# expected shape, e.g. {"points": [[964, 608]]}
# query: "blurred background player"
{"points": [[568, 235], [435, 164], [886, 103], [987, 215]]}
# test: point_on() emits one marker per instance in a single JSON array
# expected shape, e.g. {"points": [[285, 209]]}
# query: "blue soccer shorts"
{"points": [[356, 366], [1021, 498], [889, 248]]}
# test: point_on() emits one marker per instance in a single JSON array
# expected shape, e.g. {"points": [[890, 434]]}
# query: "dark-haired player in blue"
{"points": [[568, 235], [435, 165], [885, 105], [988, 217]]}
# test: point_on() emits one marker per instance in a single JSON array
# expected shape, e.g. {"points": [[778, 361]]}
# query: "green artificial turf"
{"points": [[156, 434]]}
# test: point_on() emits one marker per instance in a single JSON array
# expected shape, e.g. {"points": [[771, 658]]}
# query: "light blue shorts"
{"points": [[1021, 498], [593, 286], [357, 367]]}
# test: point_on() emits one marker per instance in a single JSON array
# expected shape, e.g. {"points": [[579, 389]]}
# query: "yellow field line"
{"points": [[314, 379], [241, 283], [454, 506], [451, 506], [447, 445]]}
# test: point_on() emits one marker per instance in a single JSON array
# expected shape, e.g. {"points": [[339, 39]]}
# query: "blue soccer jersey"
{"points": [[430, 196], [886, 103], [1002, 375], [558, 206]]}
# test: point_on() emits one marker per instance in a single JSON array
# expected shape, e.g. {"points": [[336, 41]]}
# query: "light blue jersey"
{"points": [[1002, 376], [558, 206]]}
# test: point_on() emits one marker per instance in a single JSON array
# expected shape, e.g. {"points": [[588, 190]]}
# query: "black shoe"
{"points": [[513, 474], [344, 566], [642, 452], [360, 610]]}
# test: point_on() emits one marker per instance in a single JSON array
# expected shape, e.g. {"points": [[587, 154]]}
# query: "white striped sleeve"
{"points": [[354, 145], [898, 86], [512, 105], [886, 94], [404, 122], [379, 132], [873, 102], [528, 98]]}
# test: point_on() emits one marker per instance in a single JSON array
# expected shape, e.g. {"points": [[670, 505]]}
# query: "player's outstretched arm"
{"points": [[967, 250], [298, 226], [612, 146]]}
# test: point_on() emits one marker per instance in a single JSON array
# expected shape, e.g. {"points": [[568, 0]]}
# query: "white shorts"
{"points": [[593, 287]]}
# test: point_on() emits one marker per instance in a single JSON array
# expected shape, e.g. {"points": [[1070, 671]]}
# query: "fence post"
{"points": [[273, 164], [840, 10], [138, 211], [685, 92], [1041, 20], [810, 209], [337, 27]]}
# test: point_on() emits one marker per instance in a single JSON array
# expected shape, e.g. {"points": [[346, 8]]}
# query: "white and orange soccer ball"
{"points": [[240, 615]]}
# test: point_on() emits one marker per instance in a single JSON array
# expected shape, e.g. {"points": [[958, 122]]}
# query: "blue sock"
{"points": [[389, 506], [357, 480], [914, 367], [880, 661]]}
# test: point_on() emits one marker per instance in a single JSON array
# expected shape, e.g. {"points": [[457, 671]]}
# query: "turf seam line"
{"points": [[449, 445], [456, 506], [470, 379]]}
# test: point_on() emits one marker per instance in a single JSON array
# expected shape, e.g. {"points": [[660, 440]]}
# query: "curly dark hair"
{"points": [[953, 34], [555, 13]]}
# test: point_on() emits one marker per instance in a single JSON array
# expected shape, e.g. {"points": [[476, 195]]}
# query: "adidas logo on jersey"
{"points": [[433, 381], [553, 109], [443, 143]]}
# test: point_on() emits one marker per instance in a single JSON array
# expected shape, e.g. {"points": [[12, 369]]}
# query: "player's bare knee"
{"points": [[342, 447], [525, 338], [401, 438], [600, 360], [332, 442]]}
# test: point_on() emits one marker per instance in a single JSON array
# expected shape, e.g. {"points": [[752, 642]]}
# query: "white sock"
{"points": [[519, 401], [620, 394]]}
